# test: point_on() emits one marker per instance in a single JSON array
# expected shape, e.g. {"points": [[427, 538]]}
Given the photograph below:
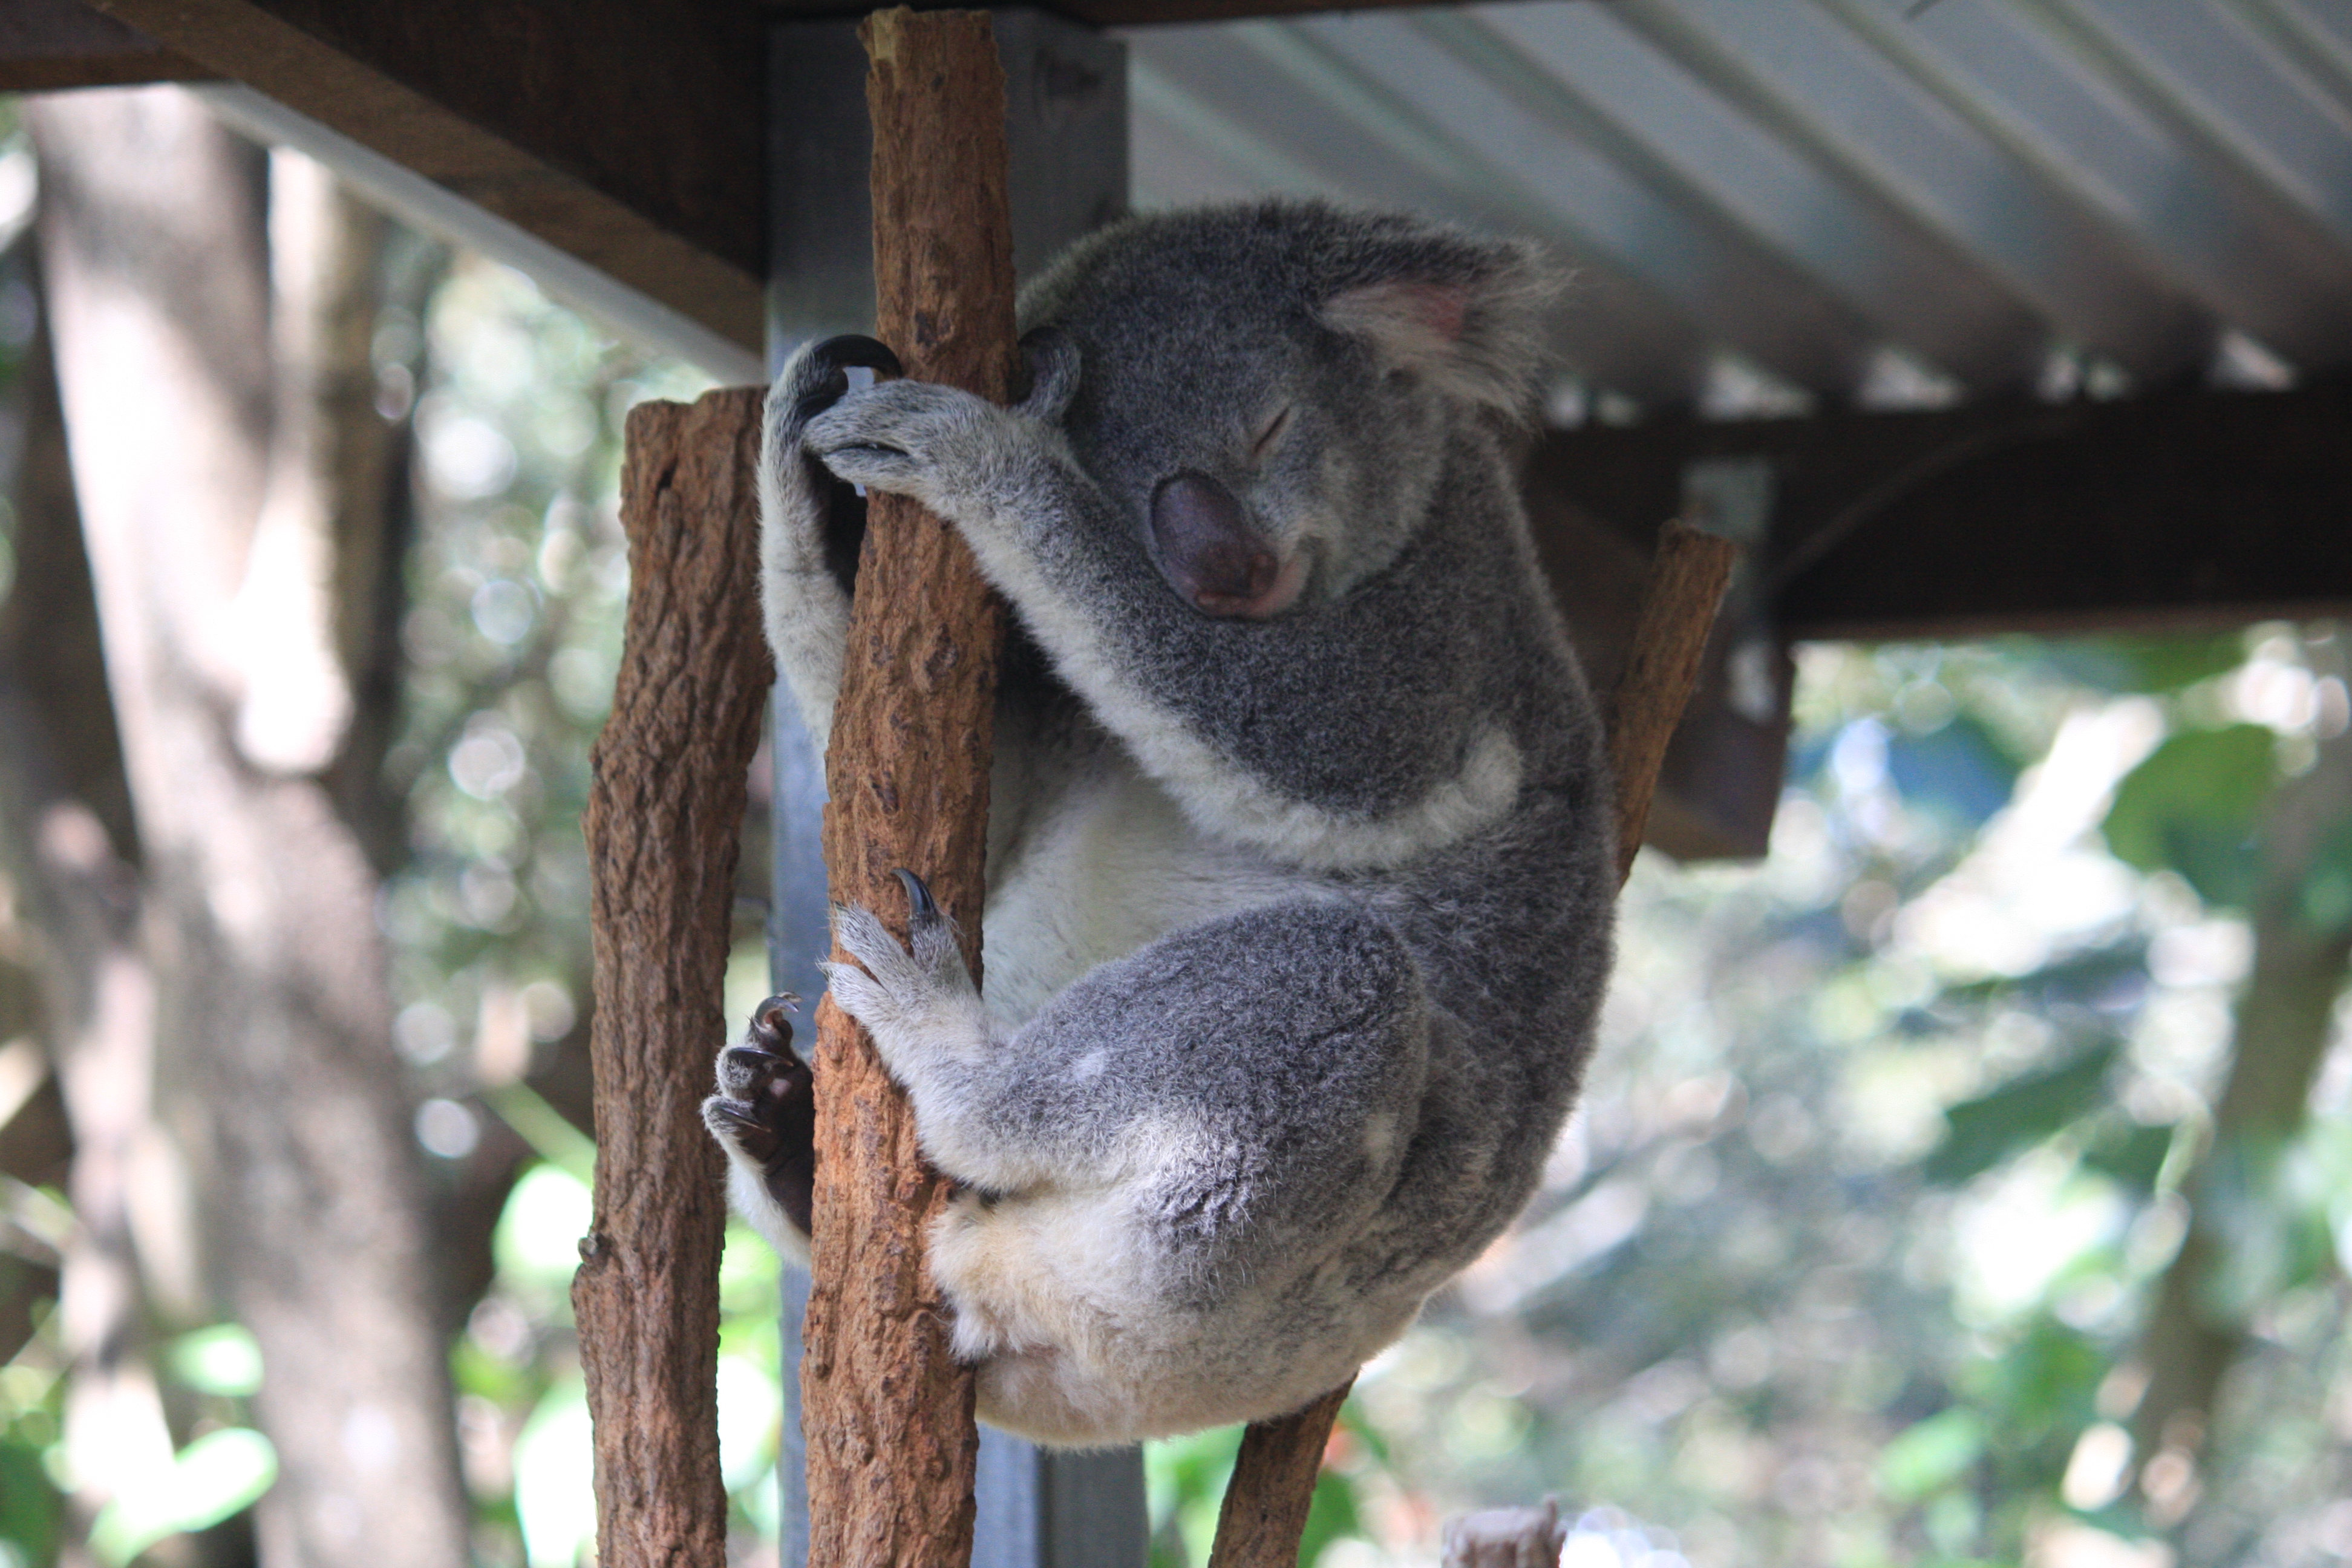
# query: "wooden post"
{"points": [[665, 812], [1265, 1511], [891, 1443]]}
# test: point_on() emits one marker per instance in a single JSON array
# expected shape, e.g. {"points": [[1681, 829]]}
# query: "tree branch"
{"points": [[664, 809], [888, 1408]]}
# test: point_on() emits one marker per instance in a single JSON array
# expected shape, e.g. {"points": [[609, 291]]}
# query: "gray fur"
{"points": [[1298, 919]]}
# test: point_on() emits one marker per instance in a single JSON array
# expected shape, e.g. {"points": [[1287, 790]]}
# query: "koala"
{"points": [[1299, 887]]}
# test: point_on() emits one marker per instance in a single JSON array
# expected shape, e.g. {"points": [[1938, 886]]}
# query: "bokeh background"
{"points": [[1969, 1182]]}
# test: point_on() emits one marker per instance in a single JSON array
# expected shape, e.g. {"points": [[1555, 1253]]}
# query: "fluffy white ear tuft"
{"points": [[1416, 324], [1477, 339]]}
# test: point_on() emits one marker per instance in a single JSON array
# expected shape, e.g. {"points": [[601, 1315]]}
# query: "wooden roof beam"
{"points": [[2186, 508], [46, 45], [628, 136]]}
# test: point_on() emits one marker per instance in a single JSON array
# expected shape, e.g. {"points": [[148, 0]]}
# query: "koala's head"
{"points": [[1269, 391]]}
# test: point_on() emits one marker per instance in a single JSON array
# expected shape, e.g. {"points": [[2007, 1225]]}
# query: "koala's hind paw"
{"points": [[766, 1108], [915, 1000]]}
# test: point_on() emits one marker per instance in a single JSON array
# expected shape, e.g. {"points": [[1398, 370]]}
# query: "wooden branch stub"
{"points": [[1273, 1485], [665, 813], [1265, 1511], [1687, 578], [887, 1407]]}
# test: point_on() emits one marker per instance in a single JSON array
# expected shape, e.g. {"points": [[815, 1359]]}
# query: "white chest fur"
{"points": [[1106, 865]]}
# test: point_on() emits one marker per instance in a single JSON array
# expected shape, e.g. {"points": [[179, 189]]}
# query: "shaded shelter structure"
{"points": [[1965, 317]]}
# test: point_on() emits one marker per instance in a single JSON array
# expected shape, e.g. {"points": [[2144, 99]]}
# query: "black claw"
{"points": [[737, 1114], [834, 356], [857, 349], [769, 1028], [919, 903]]}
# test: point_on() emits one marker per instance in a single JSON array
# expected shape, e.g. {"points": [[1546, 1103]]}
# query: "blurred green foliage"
{"points": [[1845, 1257]]}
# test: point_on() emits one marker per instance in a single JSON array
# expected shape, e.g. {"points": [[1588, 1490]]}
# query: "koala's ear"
{"points": [[1473, 328], [1053, 362]]}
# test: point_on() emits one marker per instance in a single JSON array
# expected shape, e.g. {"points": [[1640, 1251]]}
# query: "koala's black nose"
{"points": [[1208, 551]]}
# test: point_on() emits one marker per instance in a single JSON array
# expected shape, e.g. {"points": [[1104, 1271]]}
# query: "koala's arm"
{"points": [[1165, 679], [806, 554], [1357, 732]]}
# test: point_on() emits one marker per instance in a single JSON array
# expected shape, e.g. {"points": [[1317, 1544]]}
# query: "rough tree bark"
{"points": [[664, 813], [2281, 1027], [1265, 1511], [891, 1445], [203, 471]]}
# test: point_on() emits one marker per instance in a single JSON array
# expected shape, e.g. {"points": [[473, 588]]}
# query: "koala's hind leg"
{"points": [[1236, 1097], [810, 527], [764, 1117]]}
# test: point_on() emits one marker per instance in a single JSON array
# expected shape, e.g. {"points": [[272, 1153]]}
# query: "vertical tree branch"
{"points": [[664, 809], [1272, 1484], [891, 1445]]}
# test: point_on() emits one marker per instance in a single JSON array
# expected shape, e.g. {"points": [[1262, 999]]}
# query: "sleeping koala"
{"points": [[1299, 866]]}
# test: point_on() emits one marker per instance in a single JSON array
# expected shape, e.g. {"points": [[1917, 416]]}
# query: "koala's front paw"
{"points": [[917, 438], [918, 1002], [802, 523], [765, 1109]]}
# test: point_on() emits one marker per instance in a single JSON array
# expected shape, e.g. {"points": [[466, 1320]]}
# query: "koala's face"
{"points": [[1266, 460]]}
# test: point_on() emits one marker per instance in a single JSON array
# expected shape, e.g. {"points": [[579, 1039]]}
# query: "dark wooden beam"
{"points": [[46, 45], [2178, 509], [1117, 13], [626, 134]]}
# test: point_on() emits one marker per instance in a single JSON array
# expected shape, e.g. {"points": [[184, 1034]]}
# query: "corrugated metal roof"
{"points": [[1773, 202]]}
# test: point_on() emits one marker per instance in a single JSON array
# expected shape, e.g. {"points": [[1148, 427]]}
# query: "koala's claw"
{"points": [[830, 360], [921, 906], [766, 1106], [913, 997]]}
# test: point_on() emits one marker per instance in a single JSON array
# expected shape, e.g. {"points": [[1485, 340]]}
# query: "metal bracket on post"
{"points": [[1066, 96]]}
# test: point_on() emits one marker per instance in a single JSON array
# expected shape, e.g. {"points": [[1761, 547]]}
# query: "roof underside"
{"points": [[1772, 207]]}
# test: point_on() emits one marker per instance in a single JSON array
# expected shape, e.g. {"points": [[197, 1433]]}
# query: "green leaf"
{"points": [[2192, 808], [2326, 901], [213, 1478], [1927, 1458], [2151, 664], [1980, 1133], [224, 1359], [2132, 1154], [30, 1508]]}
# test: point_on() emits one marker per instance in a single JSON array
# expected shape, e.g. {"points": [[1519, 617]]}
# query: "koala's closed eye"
{"points": [[1270, 434]]}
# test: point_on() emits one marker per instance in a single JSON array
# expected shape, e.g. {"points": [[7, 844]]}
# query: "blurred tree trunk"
{"points": [[65, 840], [218, 487], [2302, 950]]}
